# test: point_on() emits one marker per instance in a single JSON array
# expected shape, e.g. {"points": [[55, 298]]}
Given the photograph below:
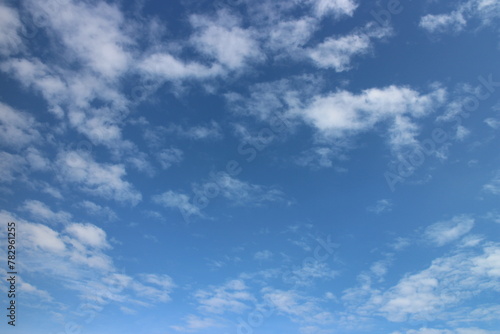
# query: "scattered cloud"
{"points": [[10, 25], [237, 191], [17, 129], [223, 39], [486, 11], [230, 297], [169, 156], [383, 205]]}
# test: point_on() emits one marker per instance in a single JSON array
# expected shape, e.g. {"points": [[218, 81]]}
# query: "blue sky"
{"points": [[237, 166]]}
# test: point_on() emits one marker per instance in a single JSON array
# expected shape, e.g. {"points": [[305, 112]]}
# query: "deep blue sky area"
{"points": [[240, 167]]}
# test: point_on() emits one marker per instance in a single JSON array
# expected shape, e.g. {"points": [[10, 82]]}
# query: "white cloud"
{"points": [[383, 205], [17, 129], [36, 160], [341, 113], [223, 39], [445, 232], [43, 238], [169, 156], [29, 289], [319, 157], [92, 33], [493, 186], [232, 296], [172, 199], [195, 323], [73, 93], [337, 52], [167, 66], [105, 180], [335, 7], [97, 210], [489, 264], [493, 123], [11, 165], [438, 23], [263, 255], [159, 287], [237, 191], [310, 271], [486, 11], [199, 132], [10, 25], [41, 212], [433, 292], [88, 234], [297, 307], [289, 36]]}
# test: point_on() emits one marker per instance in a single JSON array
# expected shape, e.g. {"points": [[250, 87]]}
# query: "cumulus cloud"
{"points": [[223, 39], [344, 113], [454, 21], [334, 7]]}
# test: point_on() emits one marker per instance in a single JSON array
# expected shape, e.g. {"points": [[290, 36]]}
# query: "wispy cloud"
{"points": [[383, 205], [455, 21], [230, 297], [337, 52], [105, 180], [445, 232]]}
